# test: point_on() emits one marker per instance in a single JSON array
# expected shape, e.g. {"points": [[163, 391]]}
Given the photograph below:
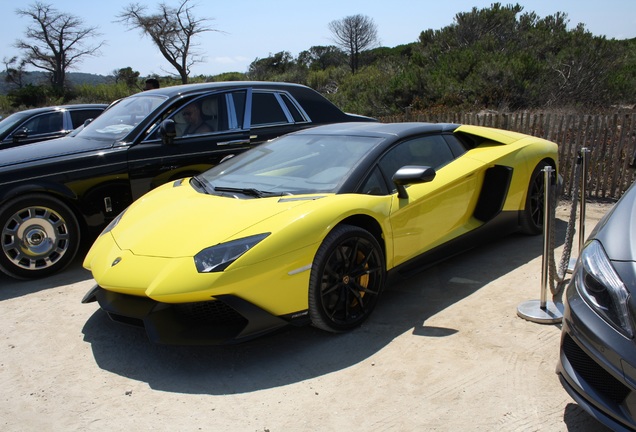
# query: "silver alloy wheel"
{"points": [[35, 237]]}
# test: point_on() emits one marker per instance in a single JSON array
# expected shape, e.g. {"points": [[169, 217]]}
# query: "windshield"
{"points": [[293, 164], [119, 119], [7, 124]]}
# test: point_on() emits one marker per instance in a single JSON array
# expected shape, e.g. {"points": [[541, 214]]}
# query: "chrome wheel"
{"points": [[37, 239]]}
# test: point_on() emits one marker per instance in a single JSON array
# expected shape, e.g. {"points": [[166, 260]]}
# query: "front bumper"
{"points": [[595, 365], [222, 320]]}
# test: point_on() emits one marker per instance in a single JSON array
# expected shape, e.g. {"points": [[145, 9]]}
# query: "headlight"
{"points": [[113, 223], [602, 288], [218, 258]]}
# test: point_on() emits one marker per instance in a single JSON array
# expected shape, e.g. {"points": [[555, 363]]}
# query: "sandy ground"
{"points": [[444, 351]]}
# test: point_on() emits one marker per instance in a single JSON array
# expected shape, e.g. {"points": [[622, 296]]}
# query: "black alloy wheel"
{"points": [[347, 277]]}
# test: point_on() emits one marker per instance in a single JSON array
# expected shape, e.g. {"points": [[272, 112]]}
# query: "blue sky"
{"points": [[250, 29]]}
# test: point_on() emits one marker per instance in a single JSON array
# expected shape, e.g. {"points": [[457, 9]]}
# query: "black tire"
{"points": [[347, 277], [533, 214], [39, 236]]}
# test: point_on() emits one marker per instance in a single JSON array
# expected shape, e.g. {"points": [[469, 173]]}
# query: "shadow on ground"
{"points": [[297, 354], [578, 420], [14, 288]]}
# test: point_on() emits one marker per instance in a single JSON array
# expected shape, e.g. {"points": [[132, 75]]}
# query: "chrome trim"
{"points": [[299, 270], [305, 198], [234, 142]]}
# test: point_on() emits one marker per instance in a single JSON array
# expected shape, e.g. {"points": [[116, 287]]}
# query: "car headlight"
{"points": [[113, 223], [602, 288], [218, 258]]}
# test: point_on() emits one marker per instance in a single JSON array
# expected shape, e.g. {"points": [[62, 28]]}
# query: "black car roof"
{"points": [[62, 107], [220, 85], [319, 109]]}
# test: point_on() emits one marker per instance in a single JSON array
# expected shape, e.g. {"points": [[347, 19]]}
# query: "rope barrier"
{"points": [[557, 275]]}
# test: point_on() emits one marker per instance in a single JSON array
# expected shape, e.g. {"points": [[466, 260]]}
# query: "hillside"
{"points": [[41, 77]]}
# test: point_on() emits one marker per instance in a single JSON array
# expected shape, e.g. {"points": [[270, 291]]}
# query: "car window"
{"points": [[293, 109], [267, 110], [374, 184], [122, 117], [78, 117], [236, 109], [202, 116], [44, 123], [294, 164], [457, 147], [9, 123], [432, 151]]}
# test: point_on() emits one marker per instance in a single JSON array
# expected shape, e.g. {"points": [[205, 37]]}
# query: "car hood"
{"points": [[617, 229], [175, 220], [43, 150]]}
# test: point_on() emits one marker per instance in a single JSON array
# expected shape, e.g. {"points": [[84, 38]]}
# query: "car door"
{"points": [[153, 162], [436, 211]]}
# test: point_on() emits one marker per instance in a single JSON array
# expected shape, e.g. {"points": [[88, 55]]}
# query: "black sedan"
{"points": [[41, 124], [597, 362], [54, 194]]}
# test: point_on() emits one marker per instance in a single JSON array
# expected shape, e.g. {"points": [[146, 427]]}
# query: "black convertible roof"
{"points": [[380, 129]]}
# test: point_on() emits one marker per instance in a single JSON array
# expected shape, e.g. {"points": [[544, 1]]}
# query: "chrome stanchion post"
{"points": [[583, 189], [547, 235], [542, 311], [582, 194]]}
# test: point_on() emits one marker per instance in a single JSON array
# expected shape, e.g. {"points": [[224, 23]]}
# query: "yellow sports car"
{"points": [[303, 229]]}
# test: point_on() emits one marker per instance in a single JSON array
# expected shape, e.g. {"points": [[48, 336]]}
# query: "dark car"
{"points": [[41, 124], [54, 194], [597, 362]]}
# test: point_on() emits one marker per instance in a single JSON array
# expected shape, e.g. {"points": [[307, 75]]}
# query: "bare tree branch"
{"points": [[14, 75], [56, 41], [172, 30], [354, 34]]}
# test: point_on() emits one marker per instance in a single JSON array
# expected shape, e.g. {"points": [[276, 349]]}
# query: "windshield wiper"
{"points": [[247, 191]]}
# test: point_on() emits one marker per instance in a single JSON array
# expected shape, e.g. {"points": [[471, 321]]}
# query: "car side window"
{"points": [[44, 124], [431, 150], [457, 147], [374, 184], [267, 110], [293, 109], [78, 117], [236, 109], [202, 116]]}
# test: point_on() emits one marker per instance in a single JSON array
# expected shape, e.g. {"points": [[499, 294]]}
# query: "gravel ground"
{"points": [[444, 351]]}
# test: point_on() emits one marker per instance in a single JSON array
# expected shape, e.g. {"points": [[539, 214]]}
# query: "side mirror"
{"points": [[168, 131], [87, 121], [412, 174], [20, 135]]}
